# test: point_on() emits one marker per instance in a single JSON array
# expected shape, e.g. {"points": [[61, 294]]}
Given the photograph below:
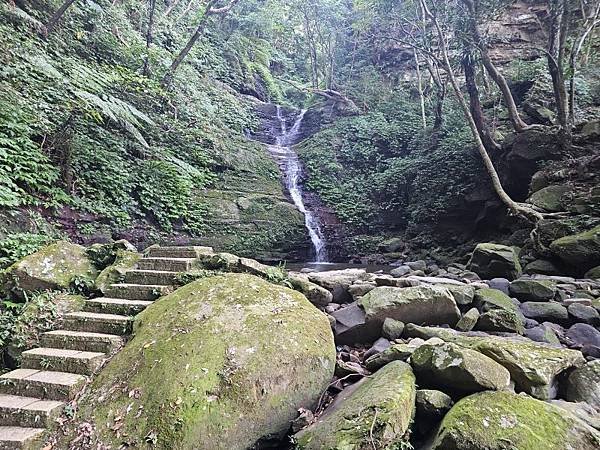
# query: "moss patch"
{"points": [[500, 420], [218, 364]]}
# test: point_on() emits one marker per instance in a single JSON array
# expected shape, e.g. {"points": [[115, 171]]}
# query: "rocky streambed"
{"points": [[464, 357]]}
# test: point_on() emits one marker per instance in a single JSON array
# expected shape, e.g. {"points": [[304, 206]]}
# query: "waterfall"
{"points": [[289, 163]]}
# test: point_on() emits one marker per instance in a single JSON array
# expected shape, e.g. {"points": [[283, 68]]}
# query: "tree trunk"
{"points": [[146, 68], [513, 113], [556, 51], [420, 90], [475, 104], [520, 209], [57, 16]]}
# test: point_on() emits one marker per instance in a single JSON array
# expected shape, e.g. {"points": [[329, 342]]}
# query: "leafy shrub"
{"points": [[18, 245]]}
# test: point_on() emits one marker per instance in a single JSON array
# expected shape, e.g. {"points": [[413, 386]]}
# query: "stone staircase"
{"points": [[34, 396]]}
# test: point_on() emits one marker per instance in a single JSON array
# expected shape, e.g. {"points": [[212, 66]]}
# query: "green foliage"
{"points": [[16, 246]]}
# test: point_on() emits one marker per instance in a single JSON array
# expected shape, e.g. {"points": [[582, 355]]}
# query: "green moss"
{"points": [[493, 298], [494, 420], [380, 410], [217, 364], [579, 249], [124, 261]]}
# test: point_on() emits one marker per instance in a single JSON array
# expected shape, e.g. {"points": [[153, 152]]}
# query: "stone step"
{"points": [[166, 264], [62, 360], [21, 438], [81, 340], [116, 306], [98, 323], [163, 277], [28, 411], [42, 384], [137, 291], [179, 252]]}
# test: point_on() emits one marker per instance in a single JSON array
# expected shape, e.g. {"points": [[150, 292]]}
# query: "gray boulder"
{"points": [[351, 326], [420, 304], [584, 314], [338, 281], [451, 366], [495, 261], [392, 328], [583, 385], [534, 290], [545, 311], [468, 321]]}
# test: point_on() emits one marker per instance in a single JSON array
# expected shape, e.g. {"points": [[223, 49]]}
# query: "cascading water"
{"points": [[288, 161]]}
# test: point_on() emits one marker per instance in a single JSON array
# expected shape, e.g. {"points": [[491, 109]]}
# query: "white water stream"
{"points": [[288, 161]]}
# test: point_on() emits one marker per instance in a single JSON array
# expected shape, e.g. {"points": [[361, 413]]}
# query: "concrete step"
{"points": [[137, 291], [62, 360], [81, 340], [166, 264], [163, 277], [21, 438], [42, 384], [116, 306], [28, 411], [98, 323], [179, 252]]}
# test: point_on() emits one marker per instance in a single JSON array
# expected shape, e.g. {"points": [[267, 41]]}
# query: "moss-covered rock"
{"points": [[534, 367], [51, 268], [448, 365], [377, 409], [219, 364], [550, 198], [501, 420], [582, 249], [534, 290], [593, 274], [125, 260], [584, 384], [495, 261], [419, 304]]}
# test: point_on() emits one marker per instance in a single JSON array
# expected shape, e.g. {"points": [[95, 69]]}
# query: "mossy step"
{"points": [[116, 306], [167, 264], [82, 340], [28, 411], [98, 323], [179, 252], [62, 360], [163, 277], [20, 438], [137, 291], [42, 384]]}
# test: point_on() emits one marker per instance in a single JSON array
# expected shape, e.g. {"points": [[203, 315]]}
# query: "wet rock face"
{"points": [[495, 261]]}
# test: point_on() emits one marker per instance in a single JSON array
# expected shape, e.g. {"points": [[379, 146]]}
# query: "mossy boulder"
{"points": [[593, 274], [534, 290], [542, 267], [450, 366], [50, 268], [495, 261], [550, 198], [534, 367], [499, 312], [583, 385], [431, 305], [221, 363], [125, 260], [376, 409], [581, 249], [502, 420]]}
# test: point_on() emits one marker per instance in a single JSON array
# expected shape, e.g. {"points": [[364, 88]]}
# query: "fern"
{"points": [[124, 114]]}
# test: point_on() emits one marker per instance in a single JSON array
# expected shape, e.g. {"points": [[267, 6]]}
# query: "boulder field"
{"points": [[241, 355]]}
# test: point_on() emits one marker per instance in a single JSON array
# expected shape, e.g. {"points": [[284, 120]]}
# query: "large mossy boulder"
{"points": [[221, 363], [125, 260], [51, 268], [377, 409], [432, 305], [534, 367], [581, 249], [502, 420], [550, 198], [460, 369], [495, 261]]}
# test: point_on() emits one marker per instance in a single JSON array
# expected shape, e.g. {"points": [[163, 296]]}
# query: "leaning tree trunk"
{"points": [[517, 208], [475, 105], [513, 113], [57, 16]]}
